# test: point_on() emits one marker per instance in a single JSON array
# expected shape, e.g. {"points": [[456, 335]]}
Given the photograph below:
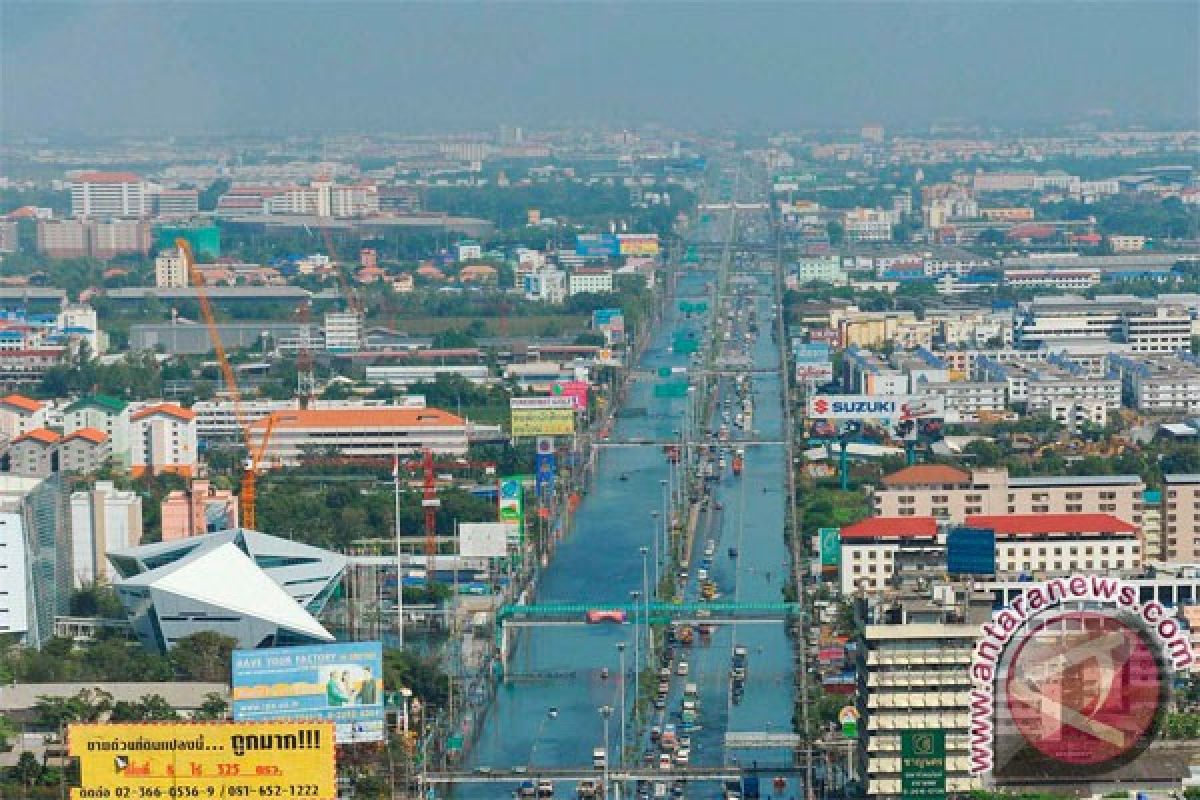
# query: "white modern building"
{"points": [[583, 280], [1161, 384], [260, 590], [14, 600], [103, 518], [109, 194]]}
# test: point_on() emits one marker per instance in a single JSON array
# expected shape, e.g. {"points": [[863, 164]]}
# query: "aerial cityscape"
{"points": [[600, 400]]}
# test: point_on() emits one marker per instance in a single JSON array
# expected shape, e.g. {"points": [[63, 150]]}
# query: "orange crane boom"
{"points": [[247, 499]]}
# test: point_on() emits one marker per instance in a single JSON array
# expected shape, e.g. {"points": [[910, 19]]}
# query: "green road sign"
{"points": [[664, 372], [671, 390], [923, 764], [831, 546]]}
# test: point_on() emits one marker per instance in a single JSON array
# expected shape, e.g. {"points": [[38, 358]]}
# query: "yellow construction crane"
{"points": [[254, 455]]}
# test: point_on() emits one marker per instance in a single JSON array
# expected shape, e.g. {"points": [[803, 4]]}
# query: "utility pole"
{"points": [[399, 556]]}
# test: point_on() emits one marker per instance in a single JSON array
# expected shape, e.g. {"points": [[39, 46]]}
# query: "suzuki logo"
{"points": [[821, 405]]}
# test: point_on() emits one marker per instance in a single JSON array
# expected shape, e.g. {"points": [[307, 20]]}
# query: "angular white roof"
{"points": [[223, 576]]}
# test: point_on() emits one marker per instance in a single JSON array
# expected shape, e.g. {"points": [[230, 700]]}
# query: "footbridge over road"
{"points": [[689, 774], [715, 613]]}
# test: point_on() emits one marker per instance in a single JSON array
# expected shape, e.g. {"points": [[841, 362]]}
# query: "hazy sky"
{"points": [[110, 67]]}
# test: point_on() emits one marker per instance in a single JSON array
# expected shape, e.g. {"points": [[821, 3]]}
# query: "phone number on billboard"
{"points": [[200, 793]]}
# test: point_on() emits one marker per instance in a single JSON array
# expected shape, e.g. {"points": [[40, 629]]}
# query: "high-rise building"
{"points": [[114, 237], [109, 194], [33, 510], [64, 238], [163, 439], [170, 270], [913, 667], [176, 202], [102, 519], [199, 509]]}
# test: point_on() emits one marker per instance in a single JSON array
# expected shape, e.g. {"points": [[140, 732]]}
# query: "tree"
{"points": [[836, 232], [213, 707], [28, 770], [204, 656], [8, 730]]}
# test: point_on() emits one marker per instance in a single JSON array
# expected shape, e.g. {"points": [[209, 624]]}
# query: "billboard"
{"points": [[605, 357], [814, 373], [511, 510], [576, 391], [206, 759], [533, 403], [638, 244], [597, 245], [341, 683], [971, 551], [810, 352], [483, 539], [831, 546], [543, 421], [605, 316], [875, 406]]}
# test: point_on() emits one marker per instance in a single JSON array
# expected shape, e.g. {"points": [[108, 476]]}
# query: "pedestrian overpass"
{"points": [[511, 616]]}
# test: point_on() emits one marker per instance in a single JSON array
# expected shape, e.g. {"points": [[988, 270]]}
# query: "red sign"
{"points": [[576, 390]]}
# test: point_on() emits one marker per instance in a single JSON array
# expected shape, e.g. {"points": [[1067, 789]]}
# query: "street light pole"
{"points": [[605, 713], [624, 714], [637, 657], [657, 558], [645, 551], [666, 510]]}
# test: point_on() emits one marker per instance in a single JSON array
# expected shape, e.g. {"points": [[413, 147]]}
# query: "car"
{"points": [[664, 761], [660, 703], [664, 674], [681, 668], [682, 755], [597, 616]]}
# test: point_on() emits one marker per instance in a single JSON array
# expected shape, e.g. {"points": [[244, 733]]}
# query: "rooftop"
{"points": [[891, 528], [170, 409], [108, 177], [113, 405], [90, 434], [361, 418], [1075, 480], [43, 435], [22, 402], [926, 474], [1035, 524]]}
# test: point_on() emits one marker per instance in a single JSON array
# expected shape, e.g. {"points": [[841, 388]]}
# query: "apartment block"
{"points": [[170, 270], [1160, 384], [966, 397], [950, 494], [1181, 518], [163, 439]]}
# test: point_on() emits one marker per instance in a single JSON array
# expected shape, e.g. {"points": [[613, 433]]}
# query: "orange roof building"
{"points": [[43, 436], [162, 438], [350, 433], [927, 475], [21, 404]]}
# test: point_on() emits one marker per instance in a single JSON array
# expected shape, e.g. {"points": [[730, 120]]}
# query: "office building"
{"points": [[1030, 545], [260, 590], [546, 285], [114, 237], [64, 238], [162, 439], [913, 674], [171, 270], [175, 203], [951, 494], [1039, 386], [103, 518], [965, 398], [583, 280], [1152, 526], [359, 433], [820, 269], [343, 331], [109, 194], [869, 225], [33, 510], [1181, 518]]}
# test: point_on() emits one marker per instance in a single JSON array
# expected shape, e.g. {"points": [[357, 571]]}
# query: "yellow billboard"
{"points": [[638, 244], [204, 760], [543, 421]]}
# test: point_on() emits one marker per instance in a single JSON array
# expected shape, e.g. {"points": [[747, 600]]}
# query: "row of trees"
{"points": [[203, 656]]}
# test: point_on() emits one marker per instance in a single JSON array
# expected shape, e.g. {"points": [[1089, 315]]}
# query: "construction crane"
{"points": [[248, 497], [429, 499], [196, 277]]}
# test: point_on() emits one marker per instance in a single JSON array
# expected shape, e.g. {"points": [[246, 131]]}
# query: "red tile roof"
{"points": [[1042, 524], [926, 475], [43, 435], [90, 434], [361, 418], [22, 402], [108, 177], [170, 409], [891, 528]]}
